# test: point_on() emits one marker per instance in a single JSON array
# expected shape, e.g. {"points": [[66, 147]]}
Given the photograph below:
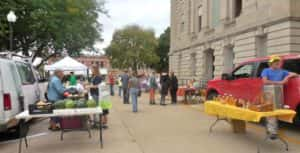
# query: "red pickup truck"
{"points": [[245, 82]]}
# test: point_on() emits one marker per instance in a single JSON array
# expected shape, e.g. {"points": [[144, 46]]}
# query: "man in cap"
{"points": [[274, 75]]}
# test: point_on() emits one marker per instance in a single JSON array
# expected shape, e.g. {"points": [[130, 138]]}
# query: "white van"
{"points": [[19, 87]]}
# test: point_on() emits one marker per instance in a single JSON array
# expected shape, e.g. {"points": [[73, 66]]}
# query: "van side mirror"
{"points": [[227, 76]]}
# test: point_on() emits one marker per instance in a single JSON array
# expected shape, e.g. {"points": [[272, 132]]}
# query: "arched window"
{"points": [[238, 5]]}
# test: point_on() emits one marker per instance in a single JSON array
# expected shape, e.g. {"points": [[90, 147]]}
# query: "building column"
{"points": [[207, 13], [224, 16]]}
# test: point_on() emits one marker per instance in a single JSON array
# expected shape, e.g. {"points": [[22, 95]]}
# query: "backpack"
{"points": [[153, 82]]}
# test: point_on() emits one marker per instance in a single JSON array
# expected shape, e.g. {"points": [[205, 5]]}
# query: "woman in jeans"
{"points": [[94, 90], [134, 91]]}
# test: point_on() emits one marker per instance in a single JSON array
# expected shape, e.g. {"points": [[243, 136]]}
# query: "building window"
{"points": [[238, 5], [92, 62], [200, 13], [193, 64], [215, 12], [97, 63]]}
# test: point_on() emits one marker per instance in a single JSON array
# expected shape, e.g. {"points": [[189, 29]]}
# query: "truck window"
{"points": [[292, 65], [244, 71], [26, 74], [261, 67]]}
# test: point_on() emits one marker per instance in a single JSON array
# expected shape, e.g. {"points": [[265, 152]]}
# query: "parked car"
{"points": [[19, 87], [245, 82]]}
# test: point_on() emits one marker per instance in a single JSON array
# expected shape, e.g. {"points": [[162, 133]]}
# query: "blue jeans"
{"points": [[112, 90], [96, 98], [125, 95], [55, 119], [120, 91], [134, 98]]}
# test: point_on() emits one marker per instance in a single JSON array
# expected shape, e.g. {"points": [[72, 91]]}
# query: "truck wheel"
{"points": [[297, 117], [212, 95]]}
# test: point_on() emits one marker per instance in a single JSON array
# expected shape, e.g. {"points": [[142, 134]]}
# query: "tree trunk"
{"points": [[135, 67]]}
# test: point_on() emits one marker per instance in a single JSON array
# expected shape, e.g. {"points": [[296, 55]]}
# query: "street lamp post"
{"points": [[11, 18]]}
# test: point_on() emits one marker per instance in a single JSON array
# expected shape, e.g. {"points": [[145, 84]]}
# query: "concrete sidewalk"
{"points": [[154, 129]]}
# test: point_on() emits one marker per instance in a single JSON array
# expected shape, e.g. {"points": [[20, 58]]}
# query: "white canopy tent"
{"points": [[68, 65]]}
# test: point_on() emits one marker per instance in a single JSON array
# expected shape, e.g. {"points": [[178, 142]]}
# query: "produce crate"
{"points": [[238, 126]]}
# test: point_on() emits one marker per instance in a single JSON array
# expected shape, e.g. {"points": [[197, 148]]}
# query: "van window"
{"points": [[292, 65], [16, 82], [244, 71], [26, 74]]}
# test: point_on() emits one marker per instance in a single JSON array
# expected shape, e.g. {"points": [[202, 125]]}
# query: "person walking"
{"points": [[274, 75], [55, 92], [173, 88], [94, 90], [125, 79], [120, 85], [111, 81], [134, 91], [164, 81], [152, 86]]}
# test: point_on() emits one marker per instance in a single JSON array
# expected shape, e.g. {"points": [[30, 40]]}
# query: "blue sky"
{"points": [[153, 14]]}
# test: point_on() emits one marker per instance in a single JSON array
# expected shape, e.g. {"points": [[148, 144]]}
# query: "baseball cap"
{"points": [[274, 58]]}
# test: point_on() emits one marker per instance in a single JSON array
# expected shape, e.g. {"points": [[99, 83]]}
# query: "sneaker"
{"points": [[95, 126], [274, 136], [104, 127]]}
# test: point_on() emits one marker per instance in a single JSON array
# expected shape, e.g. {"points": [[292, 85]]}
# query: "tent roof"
{"points": [[67, 64]]}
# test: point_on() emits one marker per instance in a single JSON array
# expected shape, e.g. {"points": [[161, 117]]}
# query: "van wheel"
{"points": [[212, 95]]}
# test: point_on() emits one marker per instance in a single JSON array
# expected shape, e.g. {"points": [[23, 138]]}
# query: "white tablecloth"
{"points": [[61, 113]]}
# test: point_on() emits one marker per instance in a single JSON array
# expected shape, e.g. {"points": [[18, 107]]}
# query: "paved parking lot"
{"points": [[155, 129]]}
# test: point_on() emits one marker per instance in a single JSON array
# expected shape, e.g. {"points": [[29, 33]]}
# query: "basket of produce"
{"points": [[72, 104], [74, 122], [41, 107]]}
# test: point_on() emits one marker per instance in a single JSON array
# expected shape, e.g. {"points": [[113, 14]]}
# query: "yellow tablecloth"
{"points": [[223, 110]]}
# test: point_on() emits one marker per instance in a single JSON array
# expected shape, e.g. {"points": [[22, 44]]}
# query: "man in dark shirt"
{"points": [[173, 88], [125, 80], [164, 81]]}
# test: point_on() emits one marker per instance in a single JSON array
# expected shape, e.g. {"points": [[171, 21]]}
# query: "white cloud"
{"points": [[153, 14]]}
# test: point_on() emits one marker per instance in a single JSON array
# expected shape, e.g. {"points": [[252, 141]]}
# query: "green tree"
{"points": [[133, 47], [47, 27], [162, 51]]}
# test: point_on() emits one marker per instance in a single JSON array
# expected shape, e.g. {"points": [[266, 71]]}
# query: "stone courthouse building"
{"points": [[209, 37]]}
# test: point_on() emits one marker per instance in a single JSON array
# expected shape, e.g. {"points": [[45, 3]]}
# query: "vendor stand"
{"points": [[68, 65], [232, 114], [187, 93], [57, 113]]}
